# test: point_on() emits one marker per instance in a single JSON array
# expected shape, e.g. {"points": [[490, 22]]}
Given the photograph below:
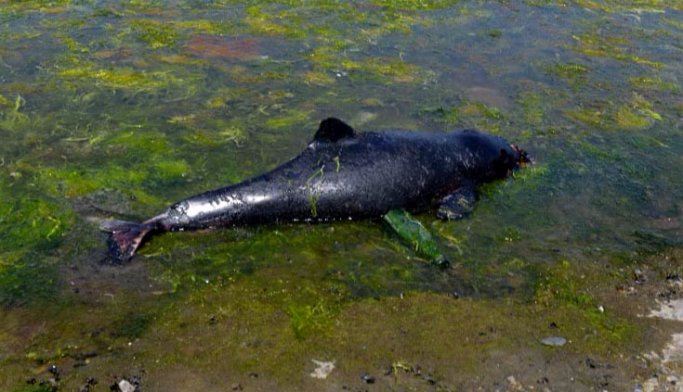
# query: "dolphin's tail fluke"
{"points": [[125, 237]]}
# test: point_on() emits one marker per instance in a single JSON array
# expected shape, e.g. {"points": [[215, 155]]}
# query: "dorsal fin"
{"points": [[333, 129]]}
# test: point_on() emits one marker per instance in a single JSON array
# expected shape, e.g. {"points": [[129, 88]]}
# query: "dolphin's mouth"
{"points": [[521, 157]]}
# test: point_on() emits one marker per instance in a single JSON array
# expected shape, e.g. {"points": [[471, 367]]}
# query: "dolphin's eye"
{"points": [[504, 157], [504, 162]]}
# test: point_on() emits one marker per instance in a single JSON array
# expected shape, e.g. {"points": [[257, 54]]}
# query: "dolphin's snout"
{"points": [[521, 157]]}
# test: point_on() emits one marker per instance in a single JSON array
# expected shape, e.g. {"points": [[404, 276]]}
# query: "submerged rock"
{"points": [[554, 341], [125, 386], [323, 369]]}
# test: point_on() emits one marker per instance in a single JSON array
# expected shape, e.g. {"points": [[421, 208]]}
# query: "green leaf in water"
{"points": [[415, 234]]}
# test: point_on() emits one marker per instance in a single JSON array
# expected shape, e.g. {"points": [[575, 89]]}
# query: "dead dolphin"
{"points": [[343, 175]]}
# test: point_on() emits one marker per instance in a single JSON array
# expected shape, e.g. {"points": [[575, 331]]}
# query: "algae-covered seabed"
{"points": [[116, 109]]}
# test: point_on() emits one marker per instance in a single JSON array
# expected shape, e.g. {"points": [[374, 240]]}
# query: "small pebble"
{"points": [[323, 369], [638, 276], [88, 385], [368, 379], [554, 341], [53, 370], [126, 386], [513, 384]]}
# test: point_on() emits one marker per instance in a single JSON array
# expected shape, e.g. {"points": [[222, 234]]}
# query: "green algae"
{"points": [[312, 184], [139, 140], [415, 5], [307, 320], [24, 282], [133, 325], [570, 71], [311, 21], [5, 102], [614, 6], [125, 78], [203, 138], [560, 288], [44, 6], [144, 159], [263, 22], [447, 115], [319, 78], [72, 44], [288, 119], [395, 70], [637, 114], [206, 132], [205, 26], [533, 108], [29, 224], [676, 23], [653, 83], [169, 170], [494, 33], [393, 21], [328, 61], [589, 116], [36, 388], [595, 45], [626, 118], [73, 182], [134, 79], [14, 118], [258, 314], [467, 114], [156, 35]]}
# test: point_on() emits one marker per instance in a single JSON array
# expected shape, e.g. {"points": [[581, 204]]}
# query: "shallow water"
{"points": [[117, 109]]}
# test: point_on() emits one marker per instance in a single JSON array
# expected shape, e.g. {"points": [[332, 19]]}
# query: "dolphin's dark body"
{"points": [[343, 175]]}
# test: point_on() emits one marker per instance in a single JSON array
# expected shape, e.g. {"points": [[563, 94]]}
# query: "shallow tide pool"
{"points": [[113, 109]]}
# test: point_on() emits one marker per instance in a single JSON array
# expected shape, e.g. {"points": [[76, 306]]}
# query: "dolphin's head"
{"points": [[510, 157], [521, 157], [492, 156]]}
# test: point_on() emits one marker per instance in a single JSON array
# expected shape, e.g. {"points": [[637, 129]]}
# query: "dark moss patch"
{"points": [[571, 71], [156, 35], [594, 44], [25, 281], [37, 388], [132, 325]]}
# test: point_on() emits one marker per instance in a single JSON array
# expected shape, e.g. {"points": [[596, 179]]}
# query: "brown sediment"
{"points": [[211, 46]]}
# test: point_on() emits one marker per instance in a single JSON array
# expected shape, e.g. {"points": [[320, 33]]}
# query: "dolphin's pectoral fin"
{"points": [[333, 129], [458, 204]]}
